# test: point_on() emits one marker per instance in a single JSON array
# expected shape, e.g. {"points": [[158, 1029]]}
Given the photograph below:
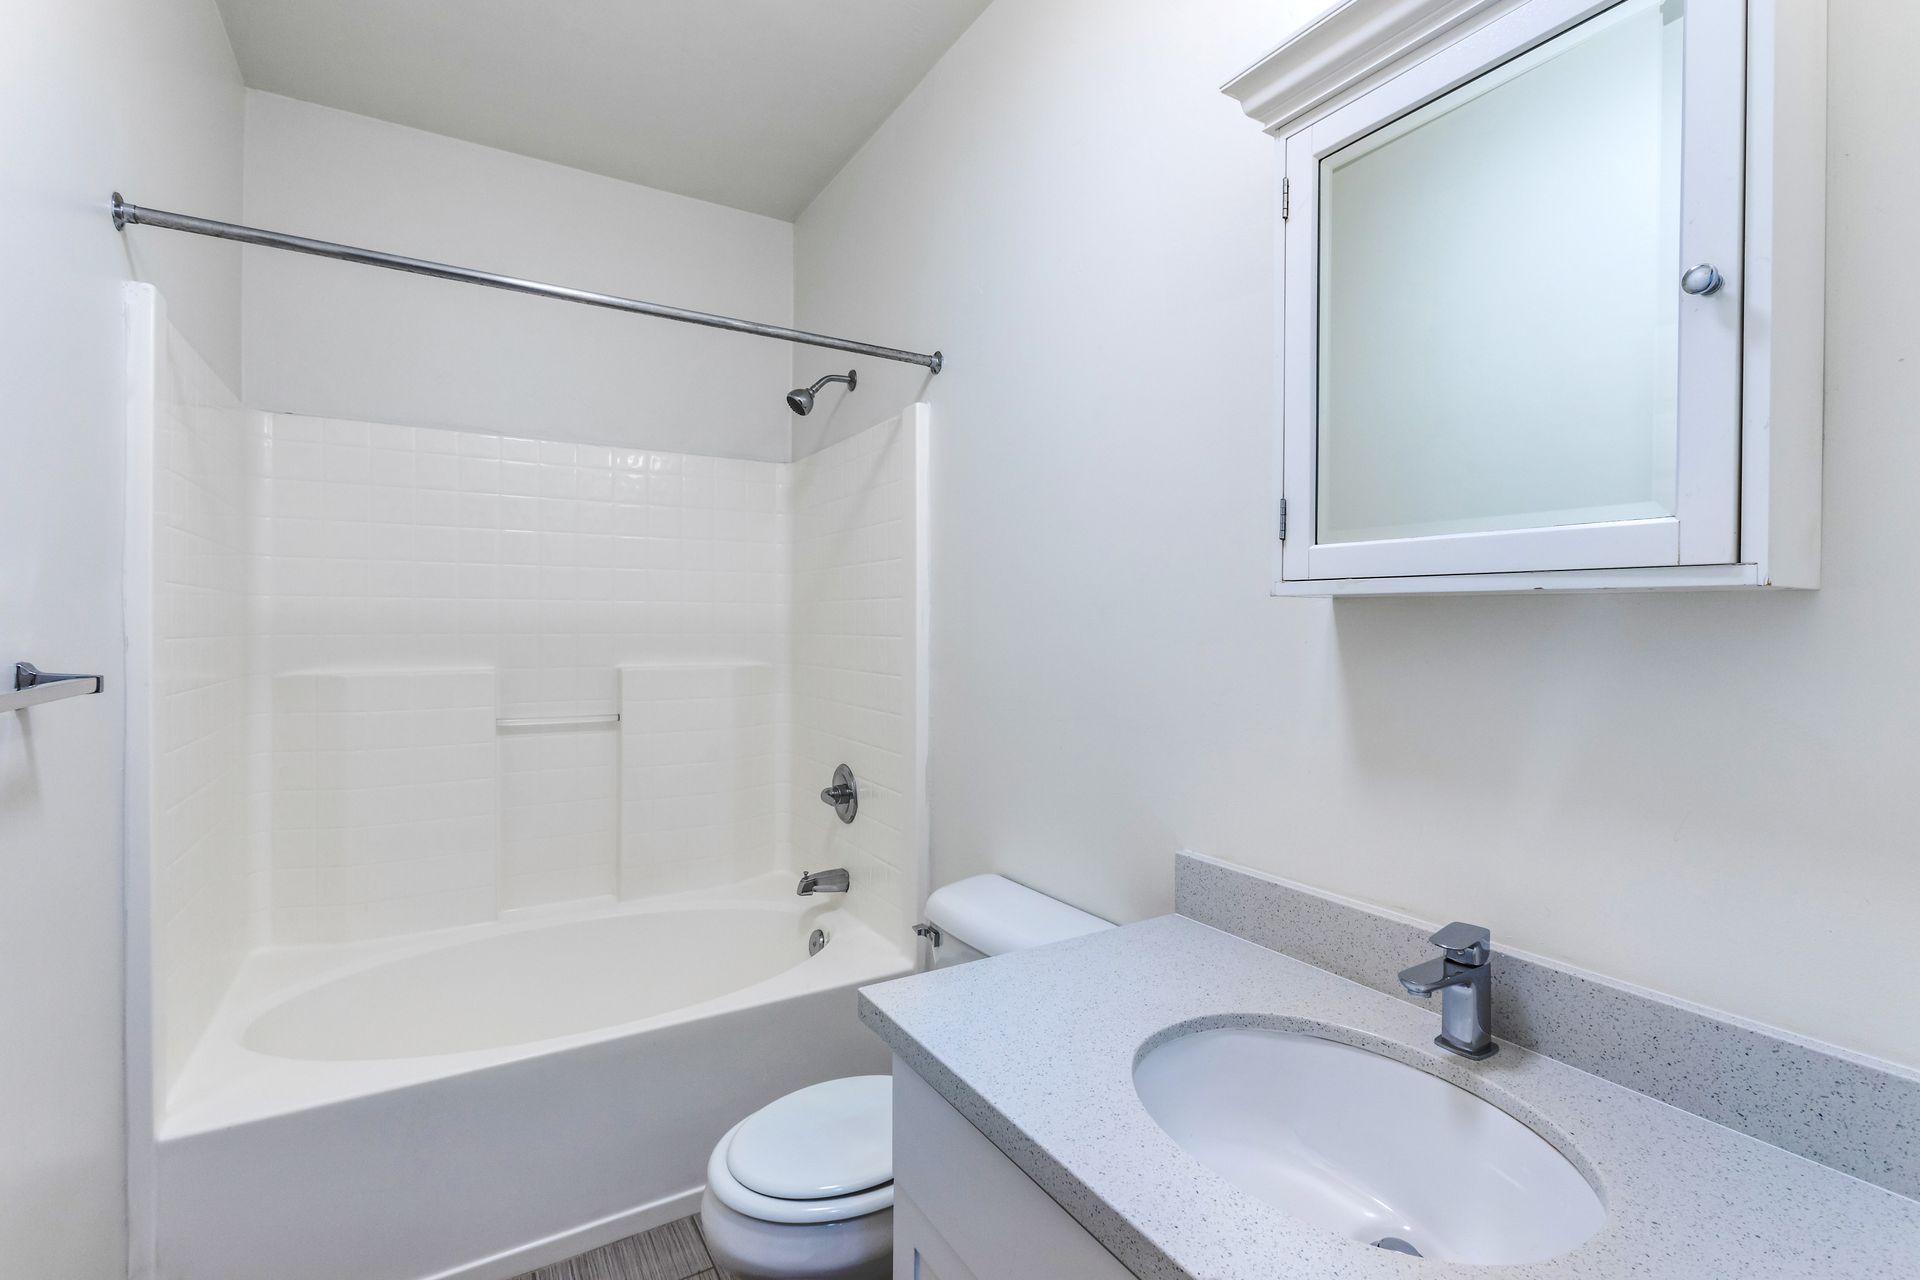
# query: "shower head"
{"points": [[800, 399]]}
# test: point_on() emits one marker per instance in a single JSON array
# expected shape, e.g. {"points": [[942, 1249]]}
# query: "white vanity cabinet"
{"points": [[963, 1211], [1550, 297]]}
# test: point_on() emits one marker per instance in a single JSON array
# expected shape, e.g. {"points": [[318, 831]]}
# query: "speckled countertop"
{"points": [[1037, 1050]]}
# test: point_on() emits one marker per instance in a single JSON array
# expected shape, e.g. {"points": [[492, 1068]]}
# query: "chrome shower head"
{"points": [[800, 399]]}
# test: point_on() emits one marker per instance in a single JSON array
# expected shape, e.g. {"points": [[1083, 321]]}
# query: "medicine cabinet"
{"points": [[1550, 297]]}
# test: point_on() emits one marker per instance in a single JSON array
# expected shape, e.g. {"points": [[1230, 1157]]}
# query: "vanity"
{"points": [[1183, 1098]]}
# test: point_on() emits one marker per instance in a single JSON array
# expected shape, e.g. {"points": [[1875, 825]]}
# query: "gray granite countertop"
{"points": [[1037, 1049]]}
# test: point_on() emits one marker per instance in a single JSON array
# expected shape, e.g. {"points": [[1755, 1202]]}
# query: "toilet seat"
{"points": [[819, 1155], [819, 1143]]}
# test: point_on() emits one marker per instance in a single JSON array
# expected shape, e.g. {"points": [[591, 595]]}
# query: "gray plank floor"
{"points": [[672, 1252]]}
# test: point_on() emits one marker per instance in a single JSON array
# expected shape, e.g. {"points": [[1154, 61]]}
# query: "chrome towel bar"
{"points": [[32, 686]]}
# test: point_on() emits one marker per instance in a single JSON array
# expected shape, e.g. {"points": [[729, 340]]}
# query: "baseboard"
{"points": [[577, 1240]]}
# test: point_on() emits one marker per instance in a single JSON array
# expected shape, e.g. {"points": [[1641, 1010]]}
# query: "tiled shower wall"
{"points": [[399, 554], [857, 609], [366, 634], [202, 466], [701, 767], [385, 812]]}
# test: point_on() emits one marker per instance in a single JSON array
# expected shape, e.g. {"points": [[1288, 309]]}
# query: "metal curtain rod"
{"points": [[124, 213]]}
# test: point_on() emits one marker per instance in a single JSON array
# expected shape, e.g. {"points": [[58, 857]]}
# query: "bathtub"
{"points": [[478, 1102]]}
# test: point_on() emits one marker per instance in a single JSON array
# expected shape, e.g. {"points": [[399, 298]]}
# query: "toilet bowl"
{"points": [[802, 1189]]}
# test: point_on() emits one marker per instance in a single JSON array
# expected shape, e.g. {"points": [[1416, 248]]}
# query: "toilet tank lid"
{"points": [[993, 915]]}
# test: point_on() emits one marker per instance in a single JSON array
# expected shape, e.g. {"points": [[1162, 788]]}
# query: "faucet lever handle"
{"points": [[1464, 943]]}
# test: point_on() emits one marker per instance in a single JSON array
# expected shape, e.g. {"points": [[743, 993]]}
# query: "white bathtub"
{"points": [[479, 1102]]}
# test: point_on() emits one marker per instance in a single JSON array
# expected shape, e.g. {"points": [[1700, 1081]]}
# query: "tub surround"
{"points": [[394, 557], [1685, 1196], [858, 559], [753, 623], [193, 447], [347, 619]]}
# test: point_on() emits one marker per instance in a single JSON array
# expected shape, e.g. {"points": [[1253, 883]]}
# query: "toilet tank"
{"points": [[987, 915]]}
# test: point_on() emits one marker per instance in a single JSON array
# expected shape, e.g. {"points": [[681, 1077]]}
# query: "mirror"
{"points": [[1498, 317]]}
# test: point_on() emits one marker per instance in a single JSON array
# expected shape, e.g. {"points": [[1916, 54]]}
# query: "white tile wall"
{"points": [[701, 775], [553, 564], [201, 508], [560, 815], [386, 803], [346, 608], [853, 628]]}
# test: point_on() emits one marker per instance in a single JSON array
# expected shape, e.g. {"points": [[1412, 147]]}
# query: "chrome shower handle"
{"points": [[843, 795]]}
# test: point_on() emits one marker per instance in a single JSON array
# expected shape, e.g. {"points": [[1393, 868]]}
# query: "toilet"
{"points": [[802, 1189]]}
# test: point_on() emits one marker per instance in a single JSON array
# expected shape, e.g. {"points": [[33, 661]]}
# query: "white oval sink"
{"points": [[1366, 1146]]}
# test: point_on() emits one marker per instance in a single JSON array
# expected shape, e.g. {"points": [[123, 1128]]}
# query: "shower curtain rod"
{"points": [[124, 213]]}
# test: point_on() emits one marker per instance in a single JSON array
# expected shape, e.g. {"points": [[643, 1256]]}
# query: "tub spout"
{"points": [[834, 881]]}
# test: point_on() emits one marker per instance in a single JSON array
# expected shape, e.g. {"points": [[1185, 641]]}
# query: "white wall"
{"points": [[142, 95], [335, 340], [1708, 794]]}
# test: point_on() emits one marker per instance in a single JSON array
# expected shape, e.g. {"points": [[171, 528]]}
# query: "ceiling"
{"points": [[750, 103]]}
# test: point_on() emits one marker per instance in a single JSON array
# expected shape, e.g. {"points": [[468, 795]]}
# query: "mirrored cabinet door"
{"points": [[1495, 358]]}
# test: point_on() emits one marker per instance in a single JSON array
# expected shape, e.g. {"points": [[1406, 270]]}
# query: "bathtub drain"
{"points": [[817, 943]]}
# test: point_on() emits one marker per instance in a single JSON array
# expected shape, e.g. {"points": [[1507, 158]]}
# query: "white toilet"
{"points": [[802, 1189]]}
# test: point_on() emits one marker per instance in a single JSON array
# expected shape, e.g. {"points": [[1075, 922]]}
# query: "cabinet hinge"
{"points": [[1286, 198], [1283, 519]]}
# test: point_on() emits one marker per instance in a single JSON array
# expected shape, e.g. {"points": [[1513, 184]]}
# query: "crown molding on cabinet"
{"points": [[1341, 47]]}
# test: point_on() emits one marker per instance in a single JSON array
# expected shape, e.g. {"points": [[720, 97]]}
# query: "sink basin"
{"points": [[1371, 1148]]}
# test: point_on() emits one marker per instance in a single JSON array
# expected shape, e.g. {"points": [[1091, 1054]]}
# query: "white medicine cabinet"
{"points": [[1551, 291]]}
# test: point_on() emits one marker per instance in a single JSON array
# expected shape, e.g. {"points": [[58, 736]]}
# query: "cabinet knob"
{"points": [[1702, 280]]}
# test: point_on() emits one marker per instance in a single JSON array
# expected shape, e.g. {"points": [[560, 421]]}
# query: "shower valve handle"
{"points": [[843, 795]]}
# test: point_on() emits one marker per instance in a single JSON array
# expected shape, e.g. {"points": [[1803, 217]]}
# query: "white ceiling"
{"points": [[750, 103]]}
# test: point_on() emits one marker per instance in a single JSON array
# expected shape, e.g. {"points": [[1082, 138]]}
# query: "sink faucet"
{"points": [[834, 881], [1464, 979]]}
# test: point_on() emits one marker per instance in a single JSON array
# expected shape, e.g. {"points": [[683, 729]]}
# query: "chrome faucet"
{"points": [[834, 881], [1464, 979]]}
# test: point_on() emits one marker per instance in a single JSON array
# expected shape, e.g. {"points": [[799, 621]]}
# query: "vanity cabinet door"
{"points": [[963, 1211], [923, 1270], [919, 1253], [1491, 361]]}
